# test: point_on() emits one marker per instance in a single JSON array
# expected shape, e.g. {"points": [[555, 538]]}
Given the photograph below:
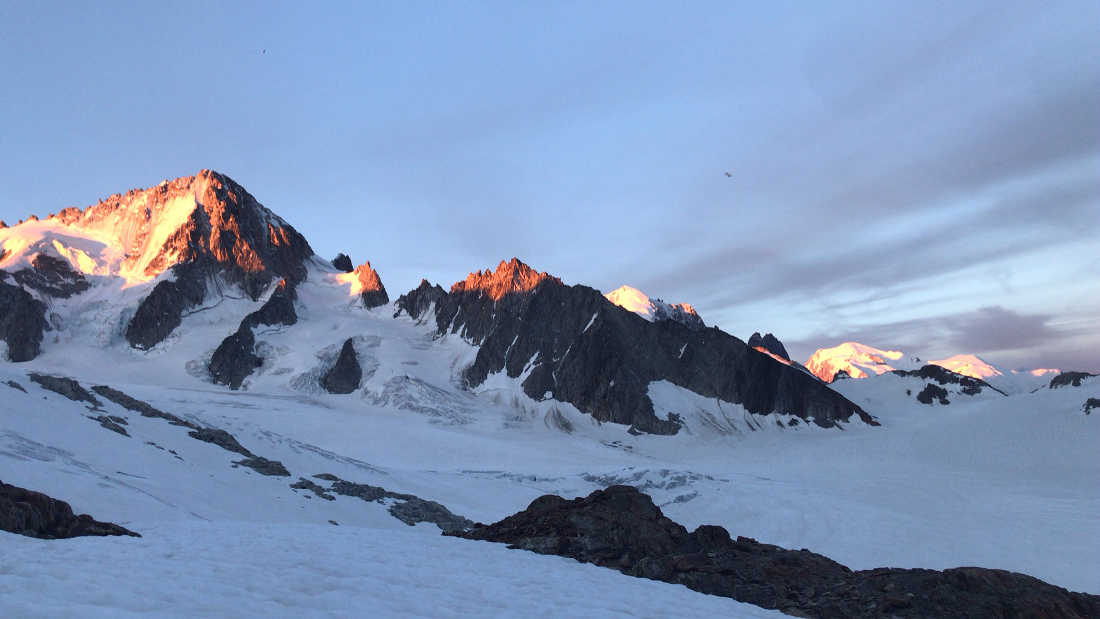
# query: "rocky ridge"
{"points": [[571, 344]]}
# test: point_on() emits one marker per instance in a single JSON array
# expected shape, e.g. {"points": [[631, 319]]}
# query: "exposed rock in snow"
{"points": [[162, 311], [634, 300], [22, 322], [34, 514], [65, 386], [234, 359], [1069, 378], [943, 376], [51, 276], [622, 529], [277, 310], [344, 377]]}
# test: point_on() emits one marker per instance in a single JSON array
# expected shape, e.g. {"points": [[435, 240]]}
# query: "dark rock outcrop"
{"points": [[418, 301], [162, 311], [1066, 379], [263, 466], [34, 514], [769, 343], [142, 408], [234, 360], [112, 423], [622, 529], [65, 386], [343, 262], [15, 385], [52, 276], [221, 438], [933, 392], [229, 235], [22, 322], [1090, 404], [407, 508], [277, 310], [944, 376], [344, 377], [578, 347]]}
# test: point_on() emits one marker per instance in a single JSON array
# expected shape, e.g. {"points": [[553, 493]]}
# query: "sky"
{"points": [[921, 176]]}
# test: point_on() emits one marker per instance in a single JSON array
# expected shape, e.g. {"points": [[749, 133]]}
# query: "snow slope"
{"points": [[234, 569]]}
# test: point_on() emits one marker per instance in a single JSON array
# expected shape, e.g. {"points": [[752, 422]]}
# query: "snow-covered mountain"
{"points": [[216, 381], [858, 361], [634, 300]]}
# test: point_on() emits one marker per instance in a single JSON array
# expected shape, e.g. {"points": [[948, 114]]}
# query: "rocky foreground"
{"points": [[34, 514], [621, 528]]}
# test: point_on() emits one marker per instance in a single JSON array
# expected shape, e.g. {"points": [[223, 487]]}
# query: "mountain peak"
{"points": [[858, 361], [141, 233], [512, 276], [768, 343], [968, 365], [651, 309], [366, 283]]}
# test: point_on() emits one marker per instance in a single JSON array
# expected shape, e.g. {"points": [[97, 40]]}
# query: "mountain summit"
{"points": [[634, 300], [857, 360], [138, 235], [203, 228]]}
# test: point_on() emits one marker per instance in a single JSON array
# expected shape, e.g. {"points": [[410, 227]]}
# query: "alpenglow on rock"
{"points": [[576, 346], [182, 234], [366, 283]]}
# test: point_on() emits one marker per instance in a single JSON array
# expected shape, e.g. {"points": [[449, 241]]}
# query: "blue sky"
{"points": [[915, 175]]}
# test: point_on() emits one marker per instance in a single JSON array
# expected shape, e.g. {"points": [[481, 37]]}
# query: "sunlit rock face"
{"points": [[198, 227], [366, 283], [207, 218], [512, 277], [858, 361], [572, 344], [634, 300]]}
